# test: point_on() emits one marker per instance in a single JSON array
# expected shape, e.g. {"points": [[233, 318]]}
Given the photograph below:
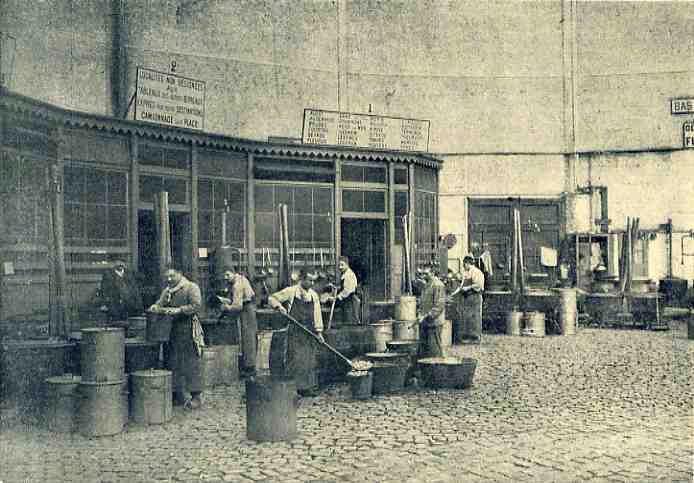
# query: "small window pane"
{"points": [[303, 228], [96, 222], [117, 188], [73, 184], [283, 194], [302, 199], [322, 229], [177, 190], [149, 186], [401, 176], [118, 222], [322, 200], [236, 196], [352, 200], [73, 221], [150, 155], [205, 226], [220, 194], [264, 198], [375, 201], [235, 231], [374, 174], [204, 195], [33, 175], [176, 158], [401, 198], [95, 191], [352, 173], [264, 224]]}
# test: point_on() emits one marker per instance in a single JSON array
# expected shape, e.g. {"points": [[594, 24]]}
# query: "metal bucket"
{"points": [[158, 327], [447, 372], [151, 396], [137, 327], [271, 409], [62, 403], [404, 346], [405, 330], [380, 332], [227, 364], [388, 378], [209, 366], [361, 384], [406, 308], [103, 407], [568, 313], [102, 354], [534, 324], [513, 322]]}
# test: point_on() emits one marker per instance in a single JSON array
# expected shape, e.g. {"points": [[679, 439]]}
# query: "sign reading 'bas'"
{"points": [[169, 99]]}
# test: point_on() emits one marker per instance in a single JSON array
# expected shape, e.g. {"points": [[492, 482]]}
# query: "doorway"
{"points": [[181, 250], [364, 243]]}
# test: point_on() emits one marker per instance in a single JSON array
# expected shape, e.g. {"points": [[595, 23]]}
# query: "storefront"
{"points": [[340, 201]]}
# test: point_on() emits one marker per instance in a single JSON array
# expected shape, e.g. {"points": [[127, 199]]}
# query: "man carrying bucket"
{"points": [[242, 303], [181, 299], [470, 301], [433, 310]]}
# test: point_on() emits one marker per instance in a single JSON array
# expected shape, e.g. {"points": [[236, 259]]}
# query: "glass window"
{"points": [[373, 174], [352, 200], [401, 176], [375, 201], [212, 195]]}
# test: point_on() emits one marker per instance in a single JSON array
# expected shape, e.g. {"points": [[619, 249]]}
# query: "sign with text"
{"points": [[364, 131], [682, 106], [688, 134], [169, 99]]}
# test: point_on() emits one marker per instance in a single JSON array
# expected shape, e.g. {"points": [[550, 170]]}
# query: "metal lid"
{"points": [[105, 383], [102, 329], [64, 379], [151, 373]]}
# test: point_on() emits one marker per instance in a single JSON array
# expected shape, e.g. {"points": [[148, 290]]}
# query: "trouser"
{"points": [[351, 310], [183, 360], [249, 335]]}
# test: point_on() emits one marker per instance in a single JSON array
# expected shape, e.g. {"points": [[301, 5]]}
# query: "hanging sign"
{"points": [[364, 131], [169, 99], [688, 134]]}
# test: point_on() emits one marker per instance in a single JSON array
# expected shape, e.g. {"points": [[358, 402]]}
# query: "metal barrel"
{"points": [[513, 322], [151, 396], [361, 384], [534, 324], [210, 374], [271, 409], [405, 329], [406, 308], [158, 327], [103, 407], [102, 354], [568, 313], [447, 372], [380, 333], [62, 403], [137, 327], [227, 364], [388, 378]]}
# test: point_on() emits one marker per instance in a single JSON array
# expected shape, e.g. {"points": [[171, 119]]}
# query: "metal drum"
{"points": [[271, 409], [137, 327], [405, 330], [513, 322], [102, 352], [103, 407], [62, 403], [389, 378], [361, 384], [151, 396], [158, 327], [568, 313], [534, 324], [209, 365], [380, 332], [406, 308], [227, 364], [401, 358], [447, 372]]}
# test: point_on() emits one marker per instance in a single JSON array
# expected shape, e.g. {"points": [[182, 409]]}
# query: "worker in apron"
{"points": [[302, 303], [242, 303], [469, 301], [433, 314], [347, 298]]}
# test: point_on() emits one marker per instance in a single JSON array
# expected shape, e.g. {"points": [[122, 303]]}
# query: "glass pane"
{"points": [[96, 222], [220, 194], [118, 222], [236, 196], [264, 198], [401, 176], [204, 195], [176, 158], [352, 200], [374, 174], [25, 222], [322, 200], [283, 194], [375, 201], [205, 227], [322, 229], [401, 198], [73, 221], [351, 172], [150, 155], [302, 199], [264, 226], [303, 228], [149, 185], [8, 173], [117, 188], [95, 187], [177, 190], [235, 231], [33, 175], [73, 183]]}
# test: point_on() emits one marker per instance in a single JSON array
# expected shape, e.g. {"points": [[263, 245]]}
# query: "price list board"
{"points": [[364, 131]]}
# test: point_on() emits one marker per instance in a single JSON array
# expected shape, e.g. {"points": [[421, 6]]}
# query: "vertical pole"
{"points": [[134, 202], [411, 201], [58, 326], [390, 238], [161, 219], [194, 270], [337, 230], [250, 217]]}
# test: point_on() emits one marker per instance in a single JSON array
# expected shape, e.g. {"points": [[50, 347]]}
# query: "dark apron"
{"points": [[183, 358], [249, 334], [293, 353], [470, 312], [431, 336]]}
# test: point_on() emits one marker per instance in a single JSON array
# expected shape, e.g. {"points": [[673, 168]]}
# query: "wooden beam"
{"points": [[250, 218], [390, 239], [338, 214], [194, 271], [134, 202], [411, 199]]}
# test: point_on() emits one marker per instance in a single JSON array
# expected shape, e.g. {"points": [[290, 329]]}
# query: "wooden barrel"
{"points": [[271, 409], [568, 313], [534, 324], [405, 330], [209, 366], [151, 396], [102, 354], [137, 327], [388, 378], [380, 333], [103, 407], [406, 308], [158, 327], [513, 322], [62, 403]]}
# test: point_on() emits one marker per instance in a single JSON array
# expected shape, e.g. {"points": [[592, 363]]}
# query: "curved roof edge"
{"points": [[49, 112]]}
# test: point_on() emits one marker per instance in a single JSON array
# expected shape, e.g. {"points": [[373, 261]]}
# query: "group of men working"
{"points": [[297, 355]]}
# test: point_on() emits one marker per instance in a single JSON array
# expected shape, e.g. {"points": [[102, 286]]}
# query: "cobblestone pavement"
{"points": [[604, 405]]}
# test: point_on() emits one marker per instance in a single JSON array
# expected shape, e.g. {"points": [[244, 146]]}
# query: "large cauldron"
{"points": [[447, 372]]}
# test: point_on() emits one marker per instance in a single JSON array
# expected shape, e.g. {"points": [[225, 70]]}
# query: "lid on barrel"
{"points": [[384, 355], [450, 360], [91, 330], [64, 379], [151, 373]]}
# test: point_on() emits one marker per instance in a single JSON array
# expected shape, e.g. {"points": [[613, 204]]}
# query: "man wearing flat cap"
{"points": [[302, 303], [120, 293], [470, 301]]}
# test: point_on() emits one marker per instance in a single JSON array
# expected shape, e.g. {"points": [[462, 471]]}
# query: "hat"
{"points": [[469, 258], [119, 263]]}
